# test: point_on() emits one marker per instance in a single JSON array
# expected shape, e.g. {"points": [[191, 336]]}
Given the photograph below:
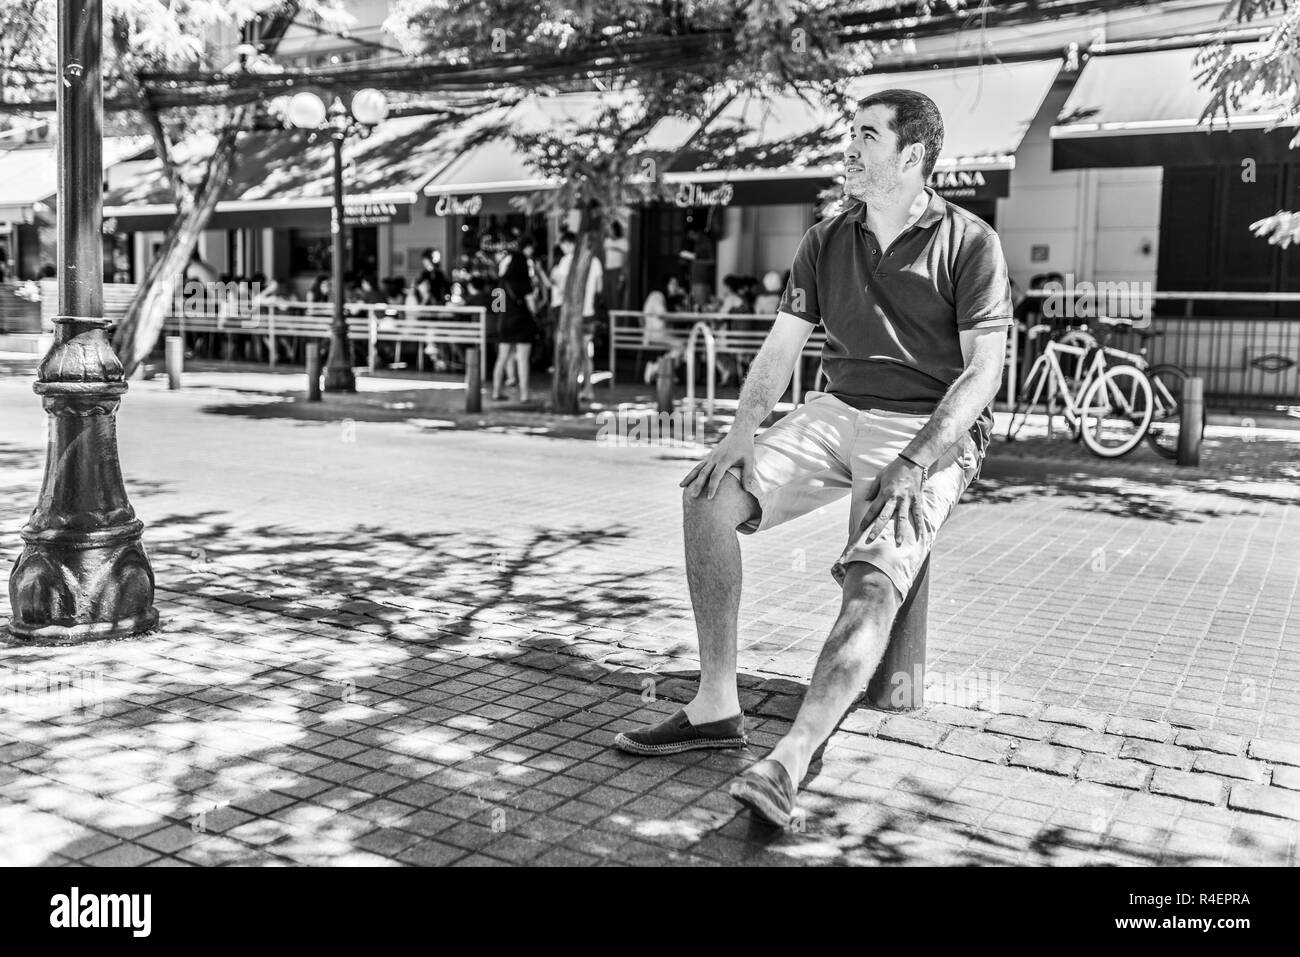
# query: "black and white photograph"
{"points": [[651, 433]]}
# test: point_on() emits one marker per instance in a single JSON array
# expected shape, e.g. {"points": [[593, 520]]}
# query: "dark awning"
{"points": [[285, 178], [1144, 109], [492, 172], [787, 150]]}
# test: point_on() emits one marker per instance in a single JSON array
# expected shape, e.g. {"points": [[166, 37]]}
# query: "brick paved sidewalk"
{"points": [[261, 729], [381, 643]]}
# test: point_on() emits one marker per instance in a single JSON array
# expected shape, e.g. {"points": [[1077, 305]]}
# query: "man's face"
{"points": [[873, 167]]}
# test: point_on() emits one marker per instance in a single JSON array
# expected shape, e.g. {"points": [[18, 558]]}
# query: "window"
{"points": [[1206, 242]]}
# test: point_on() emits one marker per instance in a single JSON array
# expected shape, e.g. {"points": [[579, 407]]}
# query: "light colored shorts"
{"points": [[826, 449]]}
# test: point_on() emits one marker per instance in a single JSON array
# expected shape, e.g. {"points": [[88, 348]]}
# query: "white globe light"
{"points": [[369, 107], [306, 111]]}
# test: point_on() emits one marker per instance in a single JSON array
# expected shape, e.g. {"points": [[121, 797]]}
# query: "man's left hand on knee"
{"points": [[894, 497]]}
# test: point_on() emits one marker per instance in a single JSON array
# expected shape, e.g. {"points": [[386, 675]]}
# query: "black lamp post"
{"points": [[83, 572], [308, 112]]}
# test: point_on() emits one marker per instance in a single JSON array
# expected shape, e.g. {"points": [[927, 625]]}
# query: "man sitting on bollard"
{"points": [[915, 300]]}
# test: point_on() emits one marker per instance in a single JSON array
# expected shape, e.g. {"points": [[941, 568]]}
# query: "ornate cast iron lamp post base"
{"points": [[83, 574]]}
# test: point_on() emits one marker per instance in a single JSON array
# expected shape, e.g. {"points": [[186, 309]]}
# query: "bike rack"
{"points": [[710, 362]]}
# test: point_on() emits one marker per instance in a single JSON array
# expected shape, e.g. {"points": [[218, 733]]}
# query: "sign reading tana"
{"points": [[971, 183]]}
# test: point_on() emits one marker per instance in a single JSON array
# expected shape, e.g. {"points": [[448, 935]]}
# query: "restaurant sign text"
{"points": [[369, 214], [448, 205], [692, 194], [971, 183]]}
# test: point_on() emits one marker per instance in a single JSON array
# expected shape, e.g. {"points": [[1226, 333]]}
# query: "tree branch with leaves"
{"points": [[710, 48]]}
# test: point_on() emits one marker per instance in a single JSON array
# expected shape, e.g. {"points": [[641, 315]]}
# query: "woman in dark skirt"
{"points": [[516, 327]]}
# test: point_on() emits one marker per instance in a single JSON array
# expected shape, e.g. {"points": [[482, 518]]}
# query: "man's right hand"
{"points": [[736, 448]]}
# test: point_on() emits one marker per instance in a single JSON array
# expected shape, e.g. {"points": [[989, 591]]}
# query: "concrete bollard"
{"points": [[175, 357], [664, 383], [313, 371], [1191, 414], [899, 682], [473, 381]]}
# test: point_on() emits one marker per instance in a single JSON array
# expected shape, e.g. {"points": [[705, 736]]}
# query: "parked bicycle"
{"points": [[1167, 381], [1111, 399]]}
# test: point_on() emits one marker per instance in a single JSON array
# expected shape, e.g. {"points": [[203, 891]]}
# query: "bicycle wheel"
{"points": [[1115, 411], [1167, 395]]}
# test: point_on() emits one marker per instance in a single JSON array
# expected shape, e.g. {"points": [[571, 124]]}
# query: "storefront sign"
{"points": [[692, 194], [448, 205], [971, 183], [369, 214]]}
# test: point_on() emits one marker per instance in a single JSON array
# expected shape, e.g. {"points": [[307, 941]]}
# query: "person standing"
{"points": [[590, 319], [516, 323], [431, 270], [616, 252]]}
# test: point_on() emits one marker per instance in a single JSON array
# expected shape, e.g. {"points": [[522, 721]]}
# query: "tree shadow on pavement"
{"points": [[364, 696], [1164, 499]]}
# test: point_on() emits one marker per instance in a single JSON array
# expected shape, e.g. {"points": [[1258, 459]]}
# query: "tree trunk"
{"points": [[135, 336], [569, 347]]}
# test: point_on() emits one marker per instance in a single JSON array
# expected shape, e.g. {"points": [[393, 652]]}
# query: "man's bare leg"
{"points": [[847, 661], [713, 572]]}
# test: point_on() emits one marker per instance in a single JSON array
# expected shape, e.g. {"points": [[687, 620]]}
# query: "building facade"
{"points": [[1047, 140]]}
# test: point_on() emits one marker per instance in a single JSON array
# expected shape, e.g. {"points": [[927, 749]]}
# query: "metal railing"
{"points": [[685, 333], [670, 333], [277, 319]]}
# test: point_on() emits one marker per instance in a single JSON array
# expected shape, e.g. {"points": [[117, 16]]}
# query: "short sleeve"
{"points": [[800, 296], [982, 285]]}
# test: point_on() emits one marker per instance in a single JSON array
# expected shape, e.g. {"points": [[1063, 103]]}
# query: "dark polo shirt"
{"points": [[892, 315]]}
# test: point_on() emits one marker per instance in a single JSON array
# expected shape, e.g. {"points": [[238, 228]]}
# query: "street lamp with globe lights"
{"points": [[307, 111]]}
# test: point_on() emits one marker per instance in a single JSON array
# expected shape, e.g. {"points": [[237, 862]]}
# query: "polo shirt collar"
{"points": [[933, 212]]}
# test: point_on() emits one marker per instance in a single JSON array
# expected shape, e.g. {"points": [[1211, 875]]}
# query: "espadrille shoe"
{"points": [[766, 789], [676, 734]]}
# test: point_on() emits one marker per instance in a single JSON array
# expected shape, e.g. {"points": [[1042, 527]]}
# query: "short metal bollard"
{"points": [[473, 381], [664, 383], [899, 682], [313, 372], [175, 358], [1191, 416]]}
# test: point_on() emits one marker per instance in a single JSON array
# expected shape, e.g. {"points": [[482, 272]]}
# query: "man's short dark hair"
{"points": [[916, 120]]}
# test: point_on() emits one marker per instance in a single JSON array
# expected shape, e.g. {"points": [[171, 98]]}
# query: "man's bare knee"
{"points": [[730, 506], [867, 588]]}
